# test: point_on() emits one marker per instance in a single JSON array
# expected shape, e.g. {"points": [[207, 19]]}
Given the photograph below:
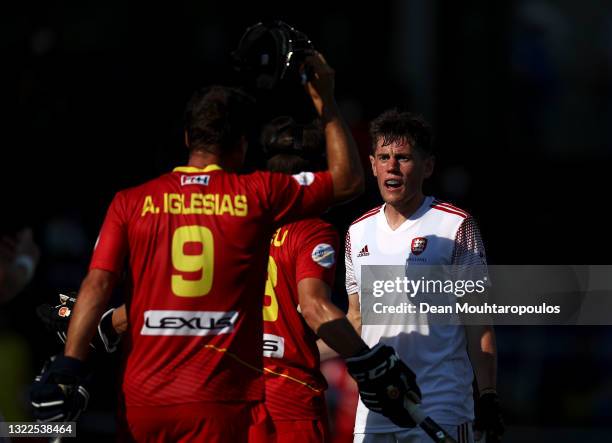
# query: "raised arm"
{"points": [[342, 155]]}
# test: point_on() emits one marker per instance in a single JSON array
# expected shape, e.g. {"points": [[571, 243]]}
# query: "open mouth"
{"points": [[392, 183]]}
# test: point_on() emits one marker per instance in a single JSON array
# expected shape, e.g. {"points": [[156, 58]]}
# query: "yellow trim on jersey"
{"points": [[269, 371], [189, 169], [297, 380]]}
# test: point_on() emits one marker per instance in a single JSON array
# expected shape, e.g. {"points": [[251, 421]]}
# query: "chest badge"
{"points": [[418, 245]]}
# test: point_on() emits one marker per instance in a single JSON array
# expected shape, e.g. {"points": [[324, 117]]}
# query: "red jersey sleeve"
{"points": [[112, 244], [302, 195], [317, 253]]}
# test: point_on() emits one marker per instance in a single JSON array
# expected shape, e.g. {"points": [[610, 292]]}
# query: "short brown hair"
{"points": [[392, 126], [217, 117]]}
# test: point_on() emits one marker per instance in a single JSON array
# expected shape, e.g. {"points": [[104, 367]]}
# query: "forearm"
{"points": [[340, 335], [342, 156], [91, 303], [327, 320], [482, 351], [354, 312]]}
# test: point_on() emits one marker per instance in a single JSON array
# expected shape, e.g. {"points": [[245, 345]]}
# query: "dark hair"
{"points": [[293, 147], [216, 117], [392, 126]]}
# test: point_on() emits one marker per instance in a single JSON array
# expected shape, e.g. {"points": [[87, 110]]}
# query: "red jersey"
{"points": [[197, 241], [294, 385]]}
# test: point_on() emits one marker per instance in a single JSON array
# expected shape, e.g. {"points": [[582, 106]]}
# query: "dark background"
{"points": [[519, 94]]}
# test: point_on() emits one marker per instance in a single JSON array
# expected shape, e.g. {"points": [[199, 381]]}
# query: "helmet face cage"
{"points": [[270, 52]]}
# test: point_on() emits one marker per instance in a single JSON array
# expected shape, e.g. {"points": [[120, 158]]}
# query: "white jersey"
{"points": [[436, 234]]}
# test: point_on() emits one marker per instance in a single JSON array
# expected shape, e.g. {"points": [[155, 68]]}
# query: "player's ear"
{"points": [[429, 164], [186, 138], [372, 162]]}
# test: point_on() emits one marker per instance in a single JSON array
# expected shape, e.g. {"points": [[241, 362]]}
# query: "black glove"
{"points": [[59, 393], [56, 319], [488, 417], [384, 381]]}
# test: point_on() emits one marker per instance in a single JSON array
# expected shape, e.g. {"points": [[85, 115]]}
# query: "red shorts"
{"points": [[196, 422], [295, 431]]}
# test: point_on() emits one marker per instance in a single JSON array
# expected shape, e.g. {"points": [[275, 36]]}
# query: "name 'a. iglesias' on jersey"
{"points": [[197, 203]]}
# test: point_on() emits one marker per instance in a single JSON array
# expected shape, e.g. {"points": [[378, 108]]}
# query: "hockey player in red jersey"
{"points": [[297, 301]]}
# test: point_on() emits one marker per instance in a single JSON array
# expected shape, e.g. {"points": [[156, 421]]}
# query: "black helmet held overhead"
{"points": [[270, 52]]}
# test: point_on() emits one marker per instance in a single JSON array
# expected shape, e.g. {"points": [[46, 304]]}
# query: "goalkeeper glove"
{"points": [[56, 319], [384, 381], [59, 393]]}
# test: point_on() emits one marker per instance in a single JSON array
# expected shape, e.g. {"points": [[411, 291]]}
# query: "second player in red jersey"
{"points": [[301, 251], [294, 384]]}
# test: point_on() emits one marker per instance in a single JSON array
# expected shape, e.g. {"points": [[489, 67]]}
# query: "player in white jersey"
{"points": [[411, 229]]}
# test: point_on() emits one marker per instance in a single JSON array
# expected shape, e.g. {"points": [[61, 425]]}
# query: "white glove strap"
{"points": [[110, 347]]}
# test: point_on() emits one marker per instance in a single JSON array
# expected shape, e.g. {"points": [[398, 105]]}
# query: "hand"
{"points": [[384, 381], [488, 418], [320, 83], [56, 319], [59, 393]]}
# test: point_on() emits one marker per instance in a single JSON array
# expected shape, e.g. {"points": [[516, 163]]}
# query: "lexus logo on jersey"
{"points": [[418, 245]]}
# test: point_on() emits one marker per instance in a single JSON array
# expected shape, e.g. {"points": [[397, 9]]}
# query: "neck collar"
{"points": [[192, 169]]}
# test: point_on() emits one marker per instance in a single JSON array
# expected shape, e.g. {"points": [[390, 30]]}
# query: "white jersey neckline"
{"points": [[383, 223]]}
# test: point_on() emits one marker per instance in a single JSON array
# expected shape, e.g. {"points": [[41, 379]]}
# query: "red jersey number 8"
{"points": [[270, 310]]}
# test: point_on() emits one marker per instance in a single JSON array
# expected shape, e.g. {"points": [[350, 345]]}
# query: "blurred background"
{"points": [[519, 94]]}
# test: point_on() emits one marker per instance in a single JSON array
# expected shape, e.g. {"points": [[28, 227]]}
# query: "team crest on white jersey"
{"points": [[324, 255], [418, 245], [195, 180]]}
